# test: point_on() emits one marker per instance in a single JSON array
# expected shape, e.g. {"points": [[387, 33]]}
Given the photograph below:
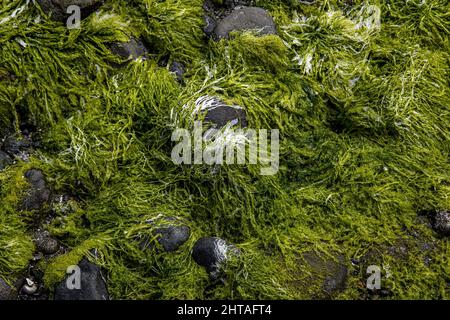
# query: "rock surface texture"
{"points": [[93, 286]]}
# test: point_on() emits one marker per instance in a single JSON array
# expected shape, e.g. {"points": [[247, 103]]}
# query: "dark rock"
{"points": [[211, 253], [245, 18], [178, 69], [39, 193], [225, 114], [57, 9], [131, 50], [220, 114], [15, 145], [442, 223], [210, 25], [5, 160], [45, 243], [171, 235], [93, 286], [6, 292]]}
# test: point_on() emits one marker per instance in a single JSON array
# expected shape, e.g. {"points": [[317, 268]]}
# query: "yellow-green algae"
{"points": [[358, 89]]}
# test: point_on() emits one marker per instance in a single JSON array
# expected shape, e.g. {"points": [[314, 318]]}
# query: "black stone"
{"points": [[57, 9], [6, 292], [442, 223], [93, 286], [39, 193], [210, 253], [131, 50], [245, 18], [172, 235], [223, 114], [5, 160]]}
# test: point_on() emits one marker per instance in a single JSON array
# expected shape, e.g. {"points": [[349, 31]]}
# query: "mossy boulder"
{"points": [[245, 19]]}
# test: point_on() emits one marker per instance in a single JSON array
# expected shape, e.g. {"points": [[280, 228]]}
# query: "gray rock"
{"points": [[45, 243], [39, 193], [6, 292], [211, 253], [442, 223], [131, 50], [210, 25], [57, 9], [245, 18], [178, 69], [5, 160], [15, 145], [93, 286]]}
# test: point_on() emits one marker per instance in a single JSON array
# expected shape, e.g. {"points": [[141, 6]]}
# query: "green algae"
{"points": [[358, 89]]}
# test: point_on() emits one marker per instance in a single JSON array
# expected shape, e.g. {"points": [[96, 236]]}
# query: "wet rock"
{"points": [[333, 273], [6, 292], [225, 114], [5, 160], [92, 285], [131, 50], [178, 69], [441, 223], [220, 114], [171, 235], [245, 18], [39, 193], [210, 25], [211, 253], [15, 145], [45, 243], [57, 9]]}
